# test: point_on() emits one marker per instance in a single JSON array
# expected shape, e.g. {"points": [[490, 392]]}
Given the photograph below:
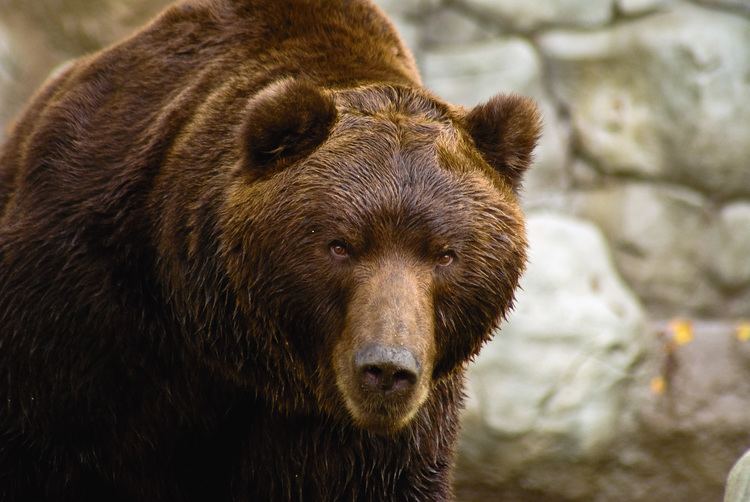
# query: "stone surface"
{"points": [[655, 231], [730, 256], [552, 384], [638, 7], [688, 435], [472, 73], [665, 97], [448, 27], [671, 442], [739, 6], [738, 484], [400, 8], [525, 15]]}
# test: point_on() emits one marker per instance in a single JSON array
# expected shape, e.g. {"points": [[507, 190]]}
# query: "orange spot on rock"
{"points": [[743, 331], [681, 331], [658, 385]]}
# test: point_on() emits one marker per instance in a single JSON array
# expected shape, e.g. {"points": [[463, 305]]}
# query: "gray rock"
{"points": [[672, 443], [738, 484], [552, 384], [730, 256], [448, 26], [740, 6], [661, 238], [471, 73], [524, 15], [408, 8], [638, 7], [689, 435], [664, 97]]}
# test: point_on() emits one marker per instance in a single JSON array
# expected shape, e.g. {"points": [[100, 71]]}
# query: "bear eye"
{"points": [[446, 258], [339, 249]]}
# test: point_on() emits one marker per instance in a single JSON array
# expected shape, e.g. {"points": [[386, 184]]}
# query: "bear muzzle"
{"points": [[385, 356]]}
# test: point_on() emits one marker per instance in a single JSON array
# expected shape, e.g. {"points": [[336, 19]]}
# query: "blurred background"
{"points": [[624, 373]]}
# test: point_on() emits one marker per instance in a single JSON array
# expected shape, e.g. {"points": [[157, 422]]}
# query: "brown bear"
{"points": [[246, 256]]}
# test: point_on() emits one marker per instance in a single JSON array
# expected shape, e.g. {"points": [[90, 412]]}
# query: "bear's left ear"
{"points": [[505, 130], [284, 122]]}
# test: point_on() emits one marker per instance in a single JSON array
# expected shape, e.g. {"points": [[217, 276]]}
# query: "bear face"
{"points": [[396, 239]]}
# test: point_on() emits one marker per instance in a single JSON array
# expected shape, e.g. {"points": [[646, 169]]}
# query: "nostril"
{"points": [[403, 379], [372, 376], [373, 370], [405, 376]]}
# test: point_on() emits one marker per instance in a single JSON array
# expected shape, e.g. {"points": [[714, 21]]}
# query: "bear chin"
{"points": [[383, 419]]}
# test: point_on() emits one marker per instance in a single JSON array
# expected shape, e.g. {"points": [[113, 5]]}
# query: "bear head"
{"points": [[377, 234]]}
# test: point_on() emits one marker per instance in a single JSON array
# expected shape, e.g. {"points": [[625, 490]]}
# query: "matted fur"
{"points": [[173, 326]]}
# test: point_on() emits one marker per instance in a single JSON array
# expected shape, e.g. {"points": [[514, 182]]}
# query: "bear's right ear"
{"points": [[284, 122]]}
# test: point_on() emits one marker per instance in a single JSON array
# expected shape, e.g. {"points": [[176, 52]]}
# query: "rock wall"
{"points": [[623, 374]]}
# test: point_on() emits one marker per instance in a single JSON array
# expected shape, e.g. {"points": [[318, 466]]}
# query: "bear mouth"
{"points": [[382, 417]]}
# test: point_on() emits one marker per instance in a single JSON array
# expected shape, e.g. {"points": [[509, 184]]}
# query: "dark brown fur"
{"points": [[173, 325]]}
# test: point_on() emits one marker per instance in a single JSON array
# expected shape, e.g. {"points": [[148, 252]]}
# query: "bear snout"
{"points": [[386, 372], [384, 357]]}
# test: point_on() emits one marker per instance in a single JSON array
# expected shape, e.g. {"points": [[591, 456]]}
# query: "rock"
{"points": [[638, 7], [730, 256], [661, 238], [524, 15], [664, 97], [447, 27], [552, 385], [690, 432], [471, 73], [670, 442], [740, 6], [738, 484], [407, 8]]}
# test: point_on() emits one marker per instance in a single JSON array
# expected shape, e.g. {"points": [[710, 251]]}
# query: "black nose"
{"points": [[386, 369]]}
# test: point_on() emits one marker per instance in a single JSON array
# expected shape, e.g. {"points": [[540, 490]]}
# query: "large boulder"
{"points": [[525, 15], [738, 484], [552, 387], [653, 230], [661, 98]]}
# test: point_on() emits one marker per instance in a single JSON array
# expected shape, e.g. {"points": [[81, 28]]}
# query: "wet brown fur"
{"points": [[172, 323]]}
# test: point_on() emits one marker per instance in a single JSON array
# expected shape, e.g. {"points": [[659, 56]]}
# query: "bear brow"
{"points": [[393, 99]]}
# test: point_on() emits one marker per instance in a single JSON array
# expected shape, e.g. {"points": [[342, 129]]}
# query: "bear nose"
{"points": [[386, 369]]}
